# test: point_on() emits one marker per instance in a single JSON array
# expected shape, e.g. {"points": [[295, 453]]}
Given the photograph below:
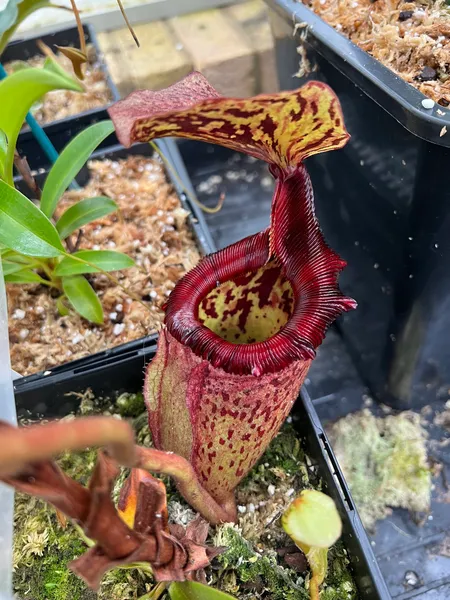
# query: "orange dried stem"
{"points": [[76, 12], [30, 445], [188, 484], [124, 15]]}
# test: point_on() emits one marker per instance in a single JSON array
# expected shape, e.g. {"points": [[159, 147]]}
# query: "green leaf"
{"points": [[24, 228], [190, 590], [14, 13], [12, 256], [70, 161], [3, 152], [105, 260], [12, 267], [23, 277], [83, 298], [18, 92], [84, 212]]}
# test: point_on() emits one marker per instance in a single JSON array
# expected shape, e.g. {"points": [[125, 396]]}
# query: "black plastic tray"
{"points": [[62, 131], [53, 396], [196, 221], [411, 551], [383, 203]]}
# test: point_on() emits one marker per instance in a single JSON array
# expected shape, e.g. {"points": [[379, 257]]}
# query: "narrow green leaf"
{"points": [[24, 228], [3, 152], [105, 260], [83, 298], [18, 92], [84, 212], [70, 161], [23, 277], [191, 590], [11, 267], [12, 256], [14, 13]]}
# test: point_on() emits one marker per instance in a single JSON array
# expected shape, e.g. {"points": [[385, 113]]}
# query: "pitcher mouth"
{"points": [[258, 305], [237, 310]]}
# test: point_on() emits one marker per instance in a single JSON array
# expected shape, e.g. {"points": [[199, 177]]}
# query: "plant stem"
{"points": [[25, 446], [46, 282], [155, 593], [314, 587], [188, 484], [189, 194], [23, 167], [79, 26], [89, 543], [130, 28], [42, 264]]}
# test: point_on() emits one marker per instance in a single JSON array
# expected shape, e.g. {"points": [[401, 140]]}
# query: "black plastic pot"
{"points": [[196, 222], [53, 396], [383, 203], [62, 131]]}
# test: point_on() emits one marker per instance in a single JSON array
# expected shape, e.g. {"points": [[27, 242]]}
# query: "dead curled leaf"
{"points": [[76, 57], [173, 552]]}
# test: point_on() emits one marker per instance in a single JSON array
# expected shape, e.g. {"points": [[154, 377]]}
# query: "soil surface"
{"points": [[151, 227], [260, 562], [61, 104], [411, 38]]}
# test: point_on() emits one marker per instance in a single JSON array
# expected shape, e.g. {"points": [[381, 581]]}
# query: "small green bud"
{"points": [[313, 520], [314, 524]]}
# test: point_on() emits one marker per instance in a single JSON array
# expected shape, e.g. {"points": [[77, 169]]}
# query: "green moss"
{"points": [[122, 584], [78, 466], [250, 567], [126, 405], [339, 584], [285, 452], [42, 550], [130, 405], [384, 461], [284, 458], [248, 570]]}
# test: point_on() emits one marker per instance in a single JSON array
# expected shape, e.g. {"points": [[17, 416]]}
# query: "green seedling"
{"points": [[35, 250], [314, 524]]}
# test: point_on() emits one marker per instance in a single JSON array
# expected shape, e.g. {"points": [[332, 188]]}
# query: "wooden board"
{"points": [[219, 50], [159, 62]]}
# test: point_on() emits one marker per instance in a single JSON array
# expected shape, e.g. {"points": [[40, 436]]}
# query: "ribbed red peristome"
{"points": [[312, 268]]}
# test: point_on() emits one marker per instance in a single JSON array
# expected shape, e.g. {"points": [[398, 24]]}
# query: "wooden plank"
{"points": [[253, 18], [159, 62], [219, 50]]}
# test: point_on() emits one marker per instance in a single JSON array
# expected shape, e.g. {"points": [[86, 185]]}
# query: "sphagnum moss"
{"points": [[384, 461], [242, 566], [250, 569]]}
